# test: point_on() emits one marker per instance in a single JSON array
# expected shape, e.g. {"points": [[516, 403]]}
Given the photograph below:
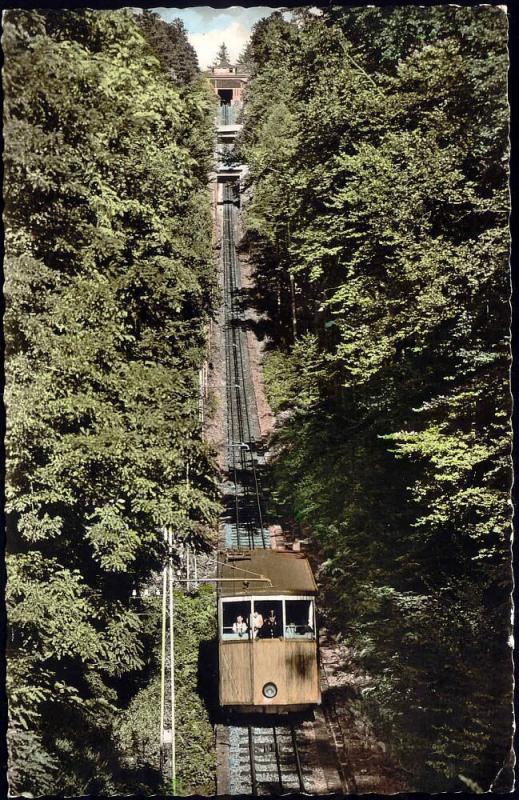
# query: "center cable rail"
{"points": [[239, 429]]}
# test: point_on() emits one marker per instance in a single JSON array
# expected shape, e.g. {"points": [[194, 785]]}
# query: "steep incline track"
{"points": [[262, 759], [266, 760], [273, 758], [244, 519]]}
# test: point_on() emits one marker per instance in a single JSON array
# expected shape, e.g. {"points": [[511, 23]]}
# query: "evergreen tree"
{"points": [[222, 58], [245, 61], [171, 46]]}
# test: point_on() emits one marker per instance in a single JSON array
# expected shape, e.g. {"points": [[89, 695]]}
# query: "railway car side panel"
{"points": [[235, 673], [302, 672], [269, 669]]}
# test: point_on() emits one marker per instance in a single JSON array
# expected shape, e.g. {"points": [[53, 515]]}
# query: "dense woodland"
{"points": [[376, 221], [109, 285], [376, 141]]}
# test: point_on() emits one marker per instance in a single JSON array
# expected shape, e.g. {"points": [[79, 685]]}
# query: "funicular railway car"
{"points": [[267, 631]]}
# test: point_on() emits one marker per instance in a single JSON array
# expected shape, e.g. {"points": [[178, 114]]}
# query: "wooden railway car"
{"points": [[267, 632]]}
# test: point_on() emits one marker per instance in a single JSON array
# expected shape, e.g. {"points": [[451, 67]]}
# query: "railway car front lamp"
{"points": [[270, 690]]}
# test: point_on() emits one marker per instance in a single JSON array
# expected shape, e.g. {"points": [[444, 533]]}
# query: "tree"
{"points": [[245, 60], [109, 284], [171, 46], [222, 58], [384, 195]]}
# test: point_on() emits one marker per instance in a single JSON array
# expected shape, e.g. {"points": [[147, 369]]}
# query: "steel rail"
{"points": [[253, 779], [230, 416], [241, 369], [232, 381], [239, 366], [234, 401], [238, 410], [278, 759], [298, 759], [286, 769], [346, 774]]}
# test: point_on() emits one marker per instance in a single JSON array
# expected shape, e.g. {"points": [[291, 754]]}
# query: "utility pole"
{"points": [[293, 306], [168, 605], [163, 662], [167, 590], [292, 289], [172, 664]]}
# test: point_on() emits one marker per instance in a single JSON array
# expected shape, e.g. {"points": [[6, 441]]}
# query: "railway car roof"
{"points": [[288, 573]]}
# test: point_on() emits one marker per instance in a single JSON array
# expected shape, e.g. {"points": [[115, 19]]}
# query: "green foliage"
{"points": [[195, 624], [170, 43], [222, 57], [279, 377], [137, 729], [377, 146], [109, 285]]}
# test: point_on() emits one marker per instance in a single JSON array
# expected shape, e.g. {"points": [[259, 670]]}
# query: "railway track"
{"points": [[263, 758], [338, 735], [244, 520]]}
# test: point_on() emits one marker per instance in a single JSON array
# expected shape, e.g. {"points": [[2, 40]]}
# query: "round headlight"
{"points": [[270, 690]]}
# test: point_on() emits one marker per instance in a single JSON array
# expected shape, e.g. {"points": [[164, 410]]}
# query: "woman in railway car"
{"points": [[240, 626]]}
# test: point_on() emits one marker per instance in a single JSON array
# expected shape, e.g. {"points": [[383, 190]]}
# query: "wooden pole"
{"points": [[293, 306], [172, 667], [188, 486], [163, 661], [200, 396]]}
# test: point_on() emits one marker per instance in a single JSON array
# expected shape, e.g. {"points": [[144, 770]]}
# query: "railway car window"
{"points": [[268, 619], [235, 620], [299, 616]]}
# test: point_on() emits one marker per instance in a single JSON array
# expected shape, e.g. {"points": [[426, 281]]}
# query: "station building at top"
{"points": [[228, 80]]}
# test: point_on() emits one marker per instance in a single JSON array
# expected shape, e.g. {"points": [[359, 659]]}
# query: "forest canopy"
{"points": [[109, 286], [376, 211], [377, 147]]}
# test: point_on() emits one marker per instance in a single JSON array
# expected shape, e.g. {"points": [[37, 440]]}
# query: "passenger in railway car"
{"points": [[240, 626], [256, 623], [270, 627]]}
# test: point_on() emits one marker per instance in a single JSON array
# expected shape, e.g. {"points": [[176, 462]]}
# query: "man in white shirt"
{"points": [[256, 623]]}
